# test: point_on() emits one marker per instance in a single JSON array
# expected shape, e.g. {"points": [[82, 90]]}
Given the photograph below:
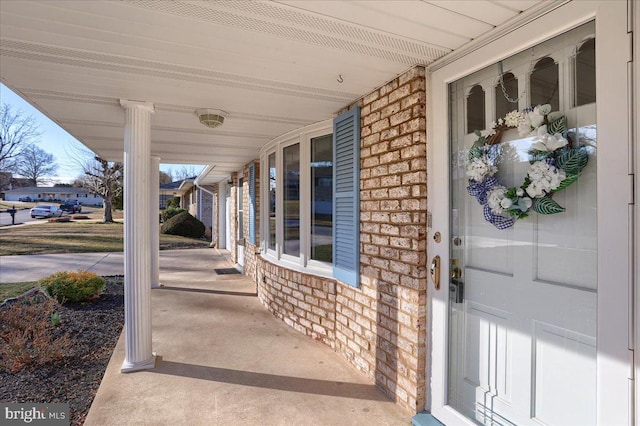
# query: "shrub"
{"points": [[183, 224], [173, 202], [73, 286], [170, 212], [28, 336]]}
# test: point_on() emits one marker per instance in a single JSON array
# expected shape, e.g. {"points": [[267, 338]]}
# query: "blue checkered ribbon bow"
{"points": [[498, 221], [480, 191]]}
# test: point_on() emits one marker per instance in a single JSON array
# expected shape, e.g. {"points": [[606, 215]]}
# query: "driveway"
{"points": [[22, 216]]}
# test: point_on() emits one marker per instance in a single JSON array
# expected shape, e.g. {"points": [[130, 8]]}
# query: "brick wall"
{"points": [[380, 327], [304, 302], [393, 194], [207, 207]]}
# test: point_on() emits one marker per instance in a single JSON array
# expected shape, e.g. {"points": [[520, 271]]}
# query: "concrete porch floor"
{"points": [[223, 359]]}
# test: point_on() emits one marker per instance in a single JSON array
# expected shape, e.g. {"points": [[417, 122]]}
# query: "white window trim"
{"points": [[302, 263]]}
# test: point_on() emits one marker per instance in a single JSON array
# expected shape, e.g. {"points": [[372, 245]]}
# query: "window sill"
{"points": [[317, 270]]}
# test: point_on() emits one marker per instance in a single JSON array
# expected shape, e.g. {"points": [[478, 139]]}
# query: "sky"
{"points": [[55, 140]]}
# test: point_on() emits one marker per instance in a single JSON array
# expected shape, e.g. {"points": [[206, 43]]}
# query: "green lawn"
{"points": [[76, 237], [8, 290]]}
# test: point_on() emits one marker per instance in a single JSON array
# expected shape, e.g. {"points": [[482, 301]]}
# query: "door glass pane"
{"points": [[475, 109], [522, 300], [585, 77], [545, 87], [272, 202], [291, 182], [322, 198], [506, 94]]}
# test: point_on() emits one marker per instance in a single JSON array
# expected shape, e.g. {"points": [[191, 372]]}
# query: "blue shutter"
{"points": [[252, 203], [346, 195]]}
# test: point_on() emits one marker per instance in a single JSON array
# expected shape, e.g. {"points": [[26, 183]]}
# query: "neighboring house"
{"points": [[198, 201], [54, 193], [177, 188], [8, 182], [411, 266]]}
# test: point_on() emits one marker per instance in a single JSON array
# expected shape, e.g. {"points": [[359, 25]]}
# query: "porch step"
{"points": [[425, 419]]}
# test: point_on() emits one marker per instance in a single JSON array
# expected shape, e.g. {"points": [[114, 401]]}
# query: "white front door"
{"points": [[531, 327]]}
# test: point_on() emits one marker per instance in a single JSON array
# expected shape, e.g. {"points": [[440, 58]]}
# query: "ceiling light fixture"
{"points": [[211, 117]]}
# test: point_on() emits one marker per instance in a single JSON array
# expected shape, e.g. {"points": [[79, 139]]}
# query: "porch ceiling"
{"points": [[273, 66]]}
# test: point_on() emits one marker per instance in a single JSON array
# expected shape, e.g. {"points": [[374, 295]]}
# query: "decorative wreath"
{"points": [[555, 164]]}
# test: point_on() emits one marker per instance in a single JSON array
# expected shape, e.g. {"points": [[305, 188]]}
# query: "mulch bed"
{"points": [[94, 329]]}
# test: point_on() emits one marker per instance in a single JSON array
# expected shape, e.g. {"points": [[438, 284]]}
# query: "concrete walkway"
{"points": [[225, 360], [15, 269]]}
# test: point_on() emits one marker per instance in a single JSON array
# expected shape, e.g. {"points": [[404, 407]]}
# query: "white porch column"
{"points": [[137, 242], [154, 220]]}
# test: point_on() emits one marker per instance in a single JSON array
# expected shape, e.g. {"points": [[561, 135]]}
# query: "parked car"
{"points": [[71, 206], [45, 210], [26, 199]]}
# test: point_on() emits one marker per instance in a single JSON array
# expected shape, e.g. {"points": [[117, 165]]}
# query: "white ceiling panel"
{"points": [[273, 66]]}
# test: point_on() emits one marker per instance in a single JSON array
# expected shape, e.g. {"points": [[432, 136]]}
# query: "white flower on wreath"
{"points": [[544, 179], [542, 110], [480, 168], [497, 200], [522, 203], [514, 118], [546, 142], [533, 120]]}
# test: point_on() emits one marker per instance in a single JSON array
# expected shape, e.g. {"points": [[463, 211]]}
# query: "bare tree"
{"points": [[100, 176], [34, 164], [16, 131], [104, 178], [165, 178], [186, 172]]}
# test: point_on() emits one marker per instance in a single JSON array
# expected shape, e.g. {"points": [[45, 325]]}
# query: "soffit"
{"points": [[273, 66]]}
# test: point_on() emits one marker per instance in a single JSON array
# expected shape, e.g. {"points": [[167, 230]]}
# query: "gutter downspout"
{"points": [[196, 182]]}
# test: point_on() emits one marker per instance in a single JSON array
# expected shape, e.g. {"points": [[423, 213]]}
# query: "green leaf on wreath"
{"points": [[477, 132], [573, 160], [546, 205], [558, 126], [475, 152], [479, 143], [566, 182]]}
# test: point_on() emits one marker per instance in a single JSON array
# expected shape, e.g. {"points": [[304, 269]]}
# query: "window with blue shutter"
{"points": [[346, 192], [252, 203]]}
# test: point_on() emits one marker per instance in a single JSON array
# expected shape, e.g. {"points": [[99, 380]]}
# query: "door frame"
{"points": [[615, 323]]}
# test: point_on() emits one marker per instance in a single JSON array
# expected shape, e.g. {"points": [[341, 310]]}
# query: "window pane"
{"points": [[272, 202], [291, 217], [544, 84], [586, 73], [322, 198], [508, 89], [475, 109]]}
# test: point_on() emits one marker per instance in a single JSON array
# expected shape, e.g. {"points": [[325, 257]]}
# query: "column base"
{"points": [[129, 367]]}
